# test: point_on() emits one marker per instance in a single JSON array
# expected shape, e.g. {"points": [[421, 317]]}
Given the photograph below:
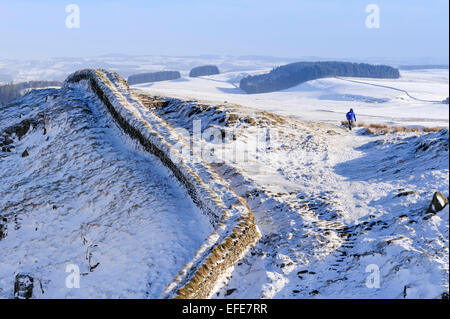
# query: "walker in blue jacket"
{"points": [[351, 117]]}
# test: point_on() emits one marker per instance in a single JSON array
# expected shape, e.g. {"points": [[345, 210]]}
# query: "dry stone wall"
{"points": [[234, 223]]}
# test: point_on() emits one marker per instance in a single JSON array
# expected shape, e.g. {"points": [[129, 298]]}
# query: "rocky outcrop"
{"points": [[153, 77], [22, 128], [3, 221], [204, 71], [438, 202], [9, 134]]}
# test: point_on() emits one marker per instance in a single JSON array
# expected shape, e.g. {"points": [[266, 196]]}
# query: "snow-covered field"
{"points": [[327, 100]]}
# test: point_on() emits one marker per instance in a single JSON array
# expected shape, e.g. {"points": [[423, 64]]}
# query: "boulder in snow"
{"points": [[23, 286], [438, 202]]}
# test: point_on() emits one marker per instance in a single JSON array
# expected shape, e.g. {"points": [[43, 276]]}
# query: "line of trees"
{"points": [[8, 92], [204, 71], [153, 77], [11, 91], [5, 78], [290, 75]]}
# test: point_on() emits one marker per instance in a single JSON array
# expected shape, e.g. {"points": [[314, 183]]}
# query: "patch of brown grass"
{"points": [[381, 129], [399, 129], [370, 131], [362, 125], [432, 129], [378, 126]]}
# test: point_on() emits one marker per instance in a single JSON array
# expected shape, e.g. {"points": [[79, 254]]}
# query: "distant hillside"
{"points": [[153, 77], [290, 75], [11, 91], [423, 67], [5, 78], [204, 70]]}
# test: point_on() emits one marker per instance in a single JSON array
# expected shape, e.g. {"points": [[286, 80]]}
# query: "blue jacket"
{"points": [[351, 116]]}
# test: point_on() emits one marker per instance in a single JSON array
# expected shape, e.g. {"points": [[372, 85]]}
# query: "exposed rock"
{"points": [[314, 292], [21, 128], [230, 291], [204, 71], [438, 203], [6, 140], [23, 286], [3, 227], [25, 153], [406, 193]]}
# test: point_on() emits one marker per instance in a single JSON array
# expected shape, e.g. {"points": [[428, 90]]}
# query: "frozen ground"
{"points": [[86, 196], [355, 201]]}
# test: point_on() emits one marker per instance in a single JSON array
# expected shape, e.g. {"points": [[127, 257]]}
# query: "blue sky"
{"points": [[285, 28]]}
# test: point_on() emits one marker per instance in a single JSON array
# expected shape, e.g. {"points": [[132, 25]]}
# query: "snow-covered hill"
{"points": [[330, 203], [333, 207], [76, 190]]}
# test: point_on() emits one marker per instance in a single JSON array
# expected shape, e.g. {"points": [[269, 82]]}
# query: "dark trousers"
{"points": [[350, 124]]}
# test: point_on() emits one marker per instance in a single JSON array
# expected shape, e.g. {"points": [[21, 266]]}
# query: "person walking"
{"points": [[351, 118]]}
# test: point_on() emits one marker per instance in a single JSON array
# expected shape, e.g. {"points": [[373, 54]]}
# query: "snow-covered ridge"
{"points": [[76, 190], [233, 221]]}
